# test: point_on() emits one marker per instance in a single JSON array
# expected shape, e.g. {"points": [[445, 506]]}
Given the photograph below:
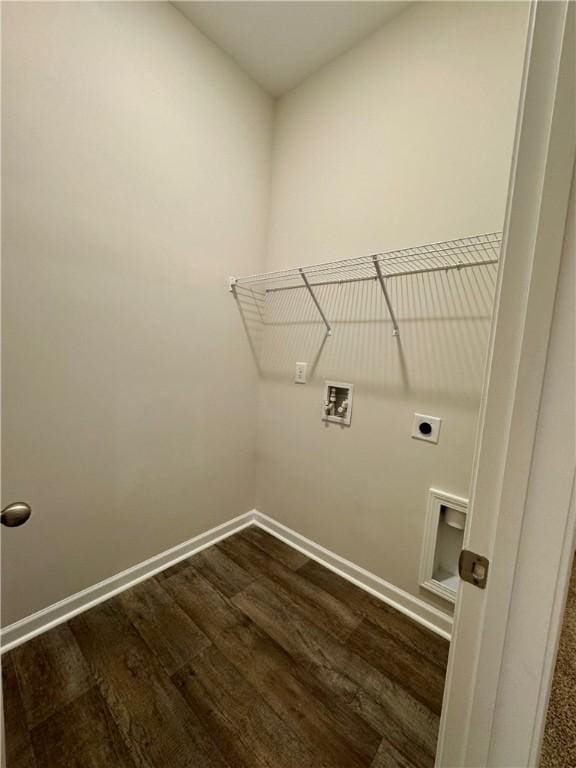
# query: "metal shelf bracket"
{"points": [[315, 300], [380, 276]]}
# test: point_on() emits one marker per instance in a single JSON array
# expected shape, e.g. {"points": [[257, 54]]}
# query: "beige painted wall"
{"points": [[136, 170], [136, 165], [406, 139]]}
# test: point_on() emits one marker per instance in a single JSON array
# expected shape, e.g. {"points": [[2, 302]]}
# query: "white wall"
{"points": [[136, 169], [136, 164], [406, 139]]}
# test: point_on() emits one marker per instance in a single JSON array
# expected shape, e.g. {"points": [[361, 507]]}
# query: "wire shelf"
{"points": [[465, 252]]}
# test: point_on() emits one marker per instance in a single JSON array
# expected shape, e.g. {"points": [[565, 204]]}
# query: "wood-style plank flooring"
{"points": [[246, 655]]}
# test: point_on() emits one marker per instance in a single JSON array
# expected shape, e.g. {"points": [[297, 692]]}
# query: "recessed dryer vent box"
{"points": [[337, 402], [443, 539]]}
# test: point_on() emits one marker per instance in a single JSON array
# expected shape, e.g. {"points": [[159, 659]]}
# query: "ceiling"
{"points": [[280, 43]]}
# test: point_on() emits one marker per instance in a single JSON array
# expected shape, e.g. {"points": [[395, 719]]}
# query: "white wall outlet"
{"points": [[426, 427], [300, 375]]}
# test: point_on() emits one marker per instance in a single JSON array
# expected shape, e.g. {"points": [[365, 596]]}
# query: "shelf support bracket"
{"points": [[380, 276], [315, 300]]}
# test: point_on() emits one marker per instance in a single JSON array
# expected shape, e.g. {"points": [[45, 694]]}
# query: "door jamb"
{"points": [[533, 239]]}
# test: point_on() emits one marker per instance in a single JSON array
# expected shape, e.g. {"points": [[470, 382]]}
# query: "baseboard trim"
{"points": [[37, 623], [58, 613], [418, 610]]}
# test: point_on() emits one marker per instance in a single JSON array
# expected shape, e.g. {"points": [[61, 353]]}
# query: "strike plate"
{"points": [[473, 568]]}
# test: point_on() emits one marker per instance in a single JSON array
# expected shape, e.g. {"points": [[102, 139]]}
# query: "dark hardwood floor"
{"points": [[246, 655]]}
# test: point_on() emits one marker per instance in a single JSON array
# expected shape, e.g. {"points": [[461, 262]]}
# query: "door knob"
{"points": [[15, 514]]}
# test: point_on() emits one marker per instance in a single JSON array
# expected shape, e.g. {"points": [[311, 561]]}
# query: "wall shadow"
{"points": [[444, 320]]}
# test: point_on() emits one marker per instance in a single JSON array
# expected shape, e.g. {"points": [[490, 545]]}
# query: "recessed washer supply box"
{"points": [[337, 402]]}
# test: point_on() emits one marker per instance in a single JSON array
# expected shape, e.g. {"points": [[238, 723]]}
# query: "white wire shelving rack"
{"points": [[462, 253]]}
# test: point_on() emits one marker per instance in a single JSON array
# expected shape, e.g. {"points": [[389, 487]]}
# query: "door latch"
{"points": [[473, 568]]}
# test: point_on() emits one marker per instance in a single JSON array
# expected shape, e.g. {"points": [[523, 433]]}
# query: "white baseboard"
{"points": [[418, 610], [31, 626], [27, 628]]}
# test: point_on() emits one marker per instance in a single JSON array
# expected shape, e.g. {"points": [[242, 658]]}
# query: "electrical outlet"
{"points": [[300, 376], [426, 427]]}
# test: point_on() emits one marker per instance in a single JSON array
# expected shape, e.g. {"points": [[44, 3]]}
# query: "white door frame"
{"points": [[479, 663]]}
